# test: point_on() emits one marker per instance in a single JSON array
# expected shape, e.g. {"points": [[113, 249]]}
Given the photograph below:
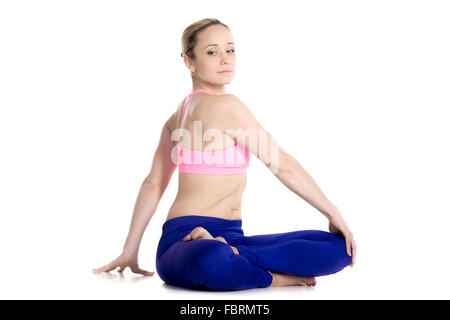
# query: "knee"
{"points": [[194, 263], [343, 259]]}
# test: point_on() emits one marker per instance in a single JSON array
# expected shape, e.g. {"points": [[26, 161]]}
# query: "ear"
{"points": [[187, 62]]}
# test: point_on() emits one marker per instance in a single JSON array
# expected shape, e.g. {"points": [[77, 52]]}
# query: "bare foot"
{"points": [[202, 233], [198, 233], [283, 280]]}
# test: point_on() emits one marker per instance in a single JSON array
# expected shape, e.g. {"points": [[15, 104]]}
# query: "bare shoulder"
{"points": [[230, 103], [233, 109], [227, 112], [222, 105]]}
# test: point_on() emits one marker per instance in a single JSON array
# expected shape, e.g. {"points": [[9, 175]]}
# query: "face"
{"points": [[214, 53]]}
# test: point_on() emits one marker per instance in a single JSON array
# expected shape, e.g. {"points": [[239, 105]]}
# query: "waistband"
{"points": [[195, 220], [178, 227]]}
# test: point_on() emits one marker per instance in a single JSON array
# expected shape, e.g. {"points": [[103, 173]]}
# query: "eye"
{"points": [[209, 52]]}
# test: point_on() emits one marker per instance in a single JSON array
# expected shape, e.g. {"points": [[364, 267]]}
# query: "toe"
{"points": [[221, 239], [197, 232]]}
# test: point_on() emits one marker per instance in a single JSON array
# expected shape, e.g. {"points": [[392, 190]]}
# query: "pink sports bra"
{"points": [[232, 160]]}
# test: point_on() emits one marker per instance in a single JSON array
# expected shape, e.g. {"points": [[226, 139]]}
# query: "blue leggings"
{"points": [[207, 264]]}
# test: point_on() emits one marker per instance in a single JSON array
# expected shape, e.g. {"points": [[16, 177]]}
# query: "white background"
{"points": [[356, 91]]}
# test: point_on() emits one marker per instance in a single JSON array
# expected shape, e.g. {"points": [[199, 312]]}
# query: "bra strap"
{"points": [[186, 101]]}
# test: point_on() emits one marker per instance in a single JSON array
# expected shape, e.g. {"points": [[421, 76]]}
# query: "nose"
{"points": [[225, 59]]}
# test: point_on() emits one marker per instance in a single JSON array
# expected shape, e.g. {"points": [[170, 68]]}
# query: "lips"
{"points": [[224, 71]]}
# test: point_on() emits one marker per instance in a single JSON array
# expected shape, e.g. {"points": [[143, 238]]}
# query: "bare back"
{"points": [[206, 195]]}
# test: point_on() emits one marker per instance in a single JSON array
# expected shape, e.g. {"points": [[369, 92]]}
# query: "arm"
{"points": [[146, 204], [232, 113], [296, 179], [235, 115], [151, 190], [149, 195]]}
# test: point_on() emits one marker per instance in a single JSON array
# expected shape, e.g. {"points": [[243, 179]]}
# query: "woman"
{"points": [[202, 244]]}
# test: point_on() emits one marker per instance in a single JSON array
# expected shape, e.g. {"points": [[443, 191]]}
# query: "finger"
{"points": [[148, 273], [347, 244], [121, 269], [143, 272], [353, 253], [105, 268], [110, 267]]}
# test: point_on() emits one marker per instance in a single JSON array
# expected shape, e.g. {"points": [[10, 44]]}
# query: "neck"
{"points": [[216, 90]]}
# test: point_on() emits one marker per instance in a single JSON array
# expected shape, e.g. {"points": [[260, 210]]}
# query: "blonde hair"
{"points": [[189, 37]]}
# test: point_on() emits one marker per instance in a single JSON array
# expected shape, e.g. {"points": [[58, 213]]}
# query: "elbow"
{"points": [[152, 187], [150, 183]]}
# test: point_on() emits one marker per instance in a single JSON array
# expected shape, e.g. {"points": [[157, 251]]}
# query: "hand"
{"points": [[338, 226], [123, 261]]}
